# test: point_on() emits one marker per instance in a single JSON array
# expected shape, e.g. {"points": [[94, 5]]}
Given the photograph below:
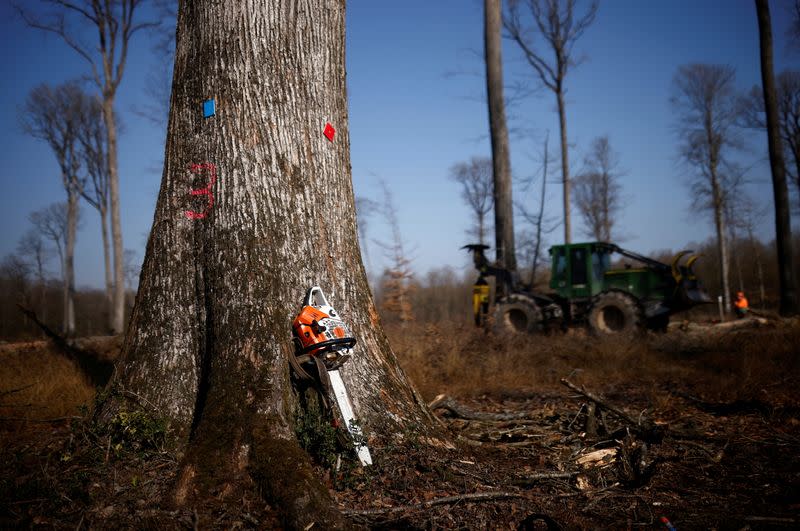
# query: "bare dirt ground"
{"points": [[696, 429]]}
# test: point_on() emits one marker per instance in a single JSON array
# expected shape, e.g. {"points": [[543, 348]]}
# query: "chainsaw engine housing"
{"points": [[318, 328]]}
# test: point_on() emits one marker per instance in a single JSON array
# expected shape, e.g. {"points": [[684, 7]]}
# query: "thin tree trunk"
{"points": [[42, 285], [797, 175], [501, 161], [118, 310], [737, 259], [227, 266], [759, 267], [69, 264], [722, 246], [562, 122], [740, 277], [540, 218], [107, 263], [783, 229], [761, 290]]}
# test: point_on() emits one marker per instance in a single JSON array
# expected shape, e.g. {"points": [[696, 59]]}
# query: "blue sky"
{"points": [[415, 88]]}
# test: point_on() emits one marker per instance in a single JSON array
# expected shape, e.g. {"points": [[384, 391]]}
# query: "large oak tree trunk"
{"points": [[256, 205]]}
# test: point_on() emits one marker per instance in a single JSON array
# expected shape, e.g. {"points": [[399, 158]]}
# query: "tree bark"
{"points": [[503, 203], [256, 206], [783, 229]]}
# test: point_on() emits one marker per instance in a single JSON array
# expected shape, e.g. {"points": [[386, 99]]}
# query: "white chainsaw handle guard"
{"points": [[315, 292]]}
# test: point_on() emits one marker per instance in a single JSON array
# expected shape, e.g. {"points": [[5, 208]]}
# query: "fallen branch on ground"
{"points": [[460, 411], [474, 497], [526, 481], [601, 402]]}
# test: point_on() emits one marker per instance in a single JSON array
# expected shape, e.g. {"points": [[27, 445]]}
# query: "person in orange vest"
{"points": [[740, 305]]}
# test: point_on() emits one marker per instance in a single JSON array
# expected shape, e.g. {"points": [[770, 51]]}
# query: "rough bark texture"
{"points": [[783, 231], [503, 203], [255, 206]]}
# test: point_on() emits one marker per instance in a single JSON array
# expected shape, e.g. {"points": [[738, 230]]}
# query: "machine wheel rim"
{"points": [[613, 319], [517, 319]]}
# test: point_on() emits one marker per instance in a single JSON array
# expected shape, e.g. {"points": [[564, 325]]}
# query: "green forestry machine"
{"points": [[587, 289]]}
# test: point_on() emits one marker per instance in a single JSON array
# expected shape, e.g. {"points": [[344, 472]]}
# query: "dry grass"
{"points": [[754, 364], [38, 383]]}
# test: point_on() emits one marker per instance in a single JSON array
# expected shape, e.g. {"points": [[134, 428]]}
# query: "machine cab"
{"points": [[578, 269]]}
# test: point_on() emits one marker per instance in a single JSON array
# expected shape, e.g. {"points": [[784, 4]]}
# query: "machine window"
{"points": [[578, 260], [561, 263], [600, 263]]}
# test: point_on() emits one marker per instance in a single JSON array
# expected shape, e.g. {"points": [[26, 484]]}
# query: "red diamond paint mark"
{"points": [[329, 131]]}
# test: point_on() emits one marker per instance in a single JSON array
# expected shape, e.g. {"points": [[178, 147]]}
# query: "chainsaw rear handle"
{"points": [[311, 293]]}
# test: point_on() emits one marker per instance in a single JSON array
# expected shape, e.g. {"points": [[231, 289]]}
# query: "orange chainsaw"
{"points": [[321, 338]]}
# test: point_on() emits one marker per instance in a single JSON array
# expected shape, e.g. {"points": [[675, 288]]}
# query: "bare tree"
{"points": [[16, 269], [501, 161], [51, 223], [783, 225], [115, 24], [788, 96], [33, 250], [247, 219], [537, 220], [396, 286], [706, 112], [597, 190], [53, 114], [92, 137], [558, 25], [477, 185]]}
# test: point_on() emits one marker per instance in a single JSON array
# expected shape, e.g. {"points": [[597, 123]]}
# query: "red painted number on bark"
{"points": [[212, 172]]}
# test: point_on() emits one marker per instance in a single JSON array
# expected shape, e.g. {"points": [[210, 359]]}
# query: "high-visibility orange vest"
{"points": [[741, 303]]}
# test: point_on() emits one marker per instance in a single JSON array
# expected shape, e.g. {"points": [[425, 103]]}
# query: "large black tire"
{"points": [[517, 314], [615, 313]]}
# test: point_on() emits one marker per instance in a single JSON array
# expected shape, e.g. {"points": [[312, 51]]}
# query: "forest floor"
{"points": [[698, 428]]}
